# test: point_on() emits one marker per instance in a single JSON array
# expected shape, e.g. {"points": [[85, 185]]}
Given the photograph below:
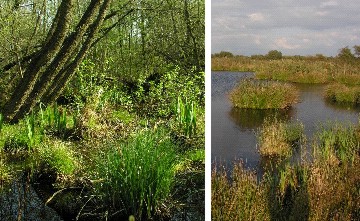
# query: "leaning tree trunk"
{"points": [[42, 58], [48, 73]]}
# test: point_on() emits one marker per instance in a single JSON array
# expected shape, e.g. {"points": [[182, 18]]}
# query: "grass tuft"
{"points": [[263, 95], [138, 175], [342, 93], [276, 138]]}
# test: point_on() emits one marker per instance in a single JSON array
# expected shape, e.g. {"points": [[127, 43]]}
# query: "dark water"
{"points": [[233, 131]]}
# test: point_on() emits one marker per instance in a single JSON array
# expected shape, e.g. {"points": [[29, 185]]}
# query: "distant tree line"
{"points": [[344, 54]]}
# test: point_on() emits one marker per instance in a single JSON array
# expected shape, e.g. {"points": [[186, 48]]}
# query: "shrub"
{"points": [[263, 95]]}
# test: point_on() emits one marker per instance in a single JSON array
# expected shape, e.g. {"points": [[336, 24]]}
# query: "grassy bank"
{"points": [[263, 95], [342, 93], [306, 70]]}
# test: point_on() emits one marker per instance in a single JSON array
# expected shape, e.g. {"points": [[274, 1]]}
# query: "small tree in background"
{"points": [[345, 54], [357, 50], [223, 54], [274, 55]]}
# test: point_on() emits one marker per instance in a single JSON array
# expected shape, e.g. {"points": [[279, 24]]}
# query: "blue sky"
{"points": [[294, 27]]}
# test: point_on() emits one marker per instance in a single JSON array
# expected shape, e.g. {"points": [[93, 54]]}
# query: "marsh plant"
{"points": [[311, 70], [1, 121], [325, 188], [342, 93], [263, 95], [54, 119], [57, 155], [239, 197], [137, 175], [186, 116], [276, 138], [337, 144]]}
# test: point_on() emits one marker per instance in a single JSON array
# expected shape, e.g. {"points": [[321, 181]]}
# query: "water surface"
{"points": [[233, 130]]}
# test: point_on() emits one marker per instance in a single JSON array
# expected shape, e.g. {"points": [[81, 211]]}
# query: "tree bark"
{"points": [[52, 67], [50, 48], [68, 72], [70, 44]]}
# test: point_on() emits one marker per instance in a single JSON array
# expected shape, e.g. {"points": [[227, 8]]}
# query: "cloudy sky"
{"points": [[294, 27]]}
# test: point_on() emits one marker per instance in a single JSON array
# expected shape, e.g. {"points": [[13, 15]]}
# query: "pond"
{"points": [[233, 130]]}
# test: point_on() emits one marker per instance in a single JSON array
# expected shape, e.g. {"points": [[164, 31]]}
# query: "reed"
{"points": [[325, 188], [337, 144], [263, 95], [343, 93], [238, 197], [277, 138], [304, 70]]}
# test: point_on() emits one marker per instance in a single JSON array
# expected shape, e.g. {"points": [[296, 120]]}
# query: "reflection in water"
{"points": [[342, 106], [233, 131], [253, 118]]}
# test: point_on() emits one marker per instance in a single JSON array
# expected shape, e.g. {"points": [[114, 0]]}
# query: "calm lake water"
{"points": [[233, 131]]}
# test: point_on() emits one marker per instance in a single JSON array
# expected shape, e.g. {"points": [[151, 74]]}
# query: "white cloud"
{"points": [[322, 13], [283, 43], [329, 4], [256, 17], [257, 40], [293, 26]]}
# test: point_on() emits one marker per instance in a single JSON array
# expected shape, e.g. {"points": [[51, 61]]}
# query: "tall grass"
{"points": [[138, 175], [277, 138], [342, 93], [55, 120], [263, 95], [238, 197], [293, 70], [337, 144], [327, 188]]}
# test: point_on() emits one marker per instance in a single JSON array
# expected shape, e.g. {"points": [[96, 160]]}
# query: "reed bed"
{"points": [[277, 138], [342, 93], [293, 70], [238, 197], [263, 95], [327, 188]]}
